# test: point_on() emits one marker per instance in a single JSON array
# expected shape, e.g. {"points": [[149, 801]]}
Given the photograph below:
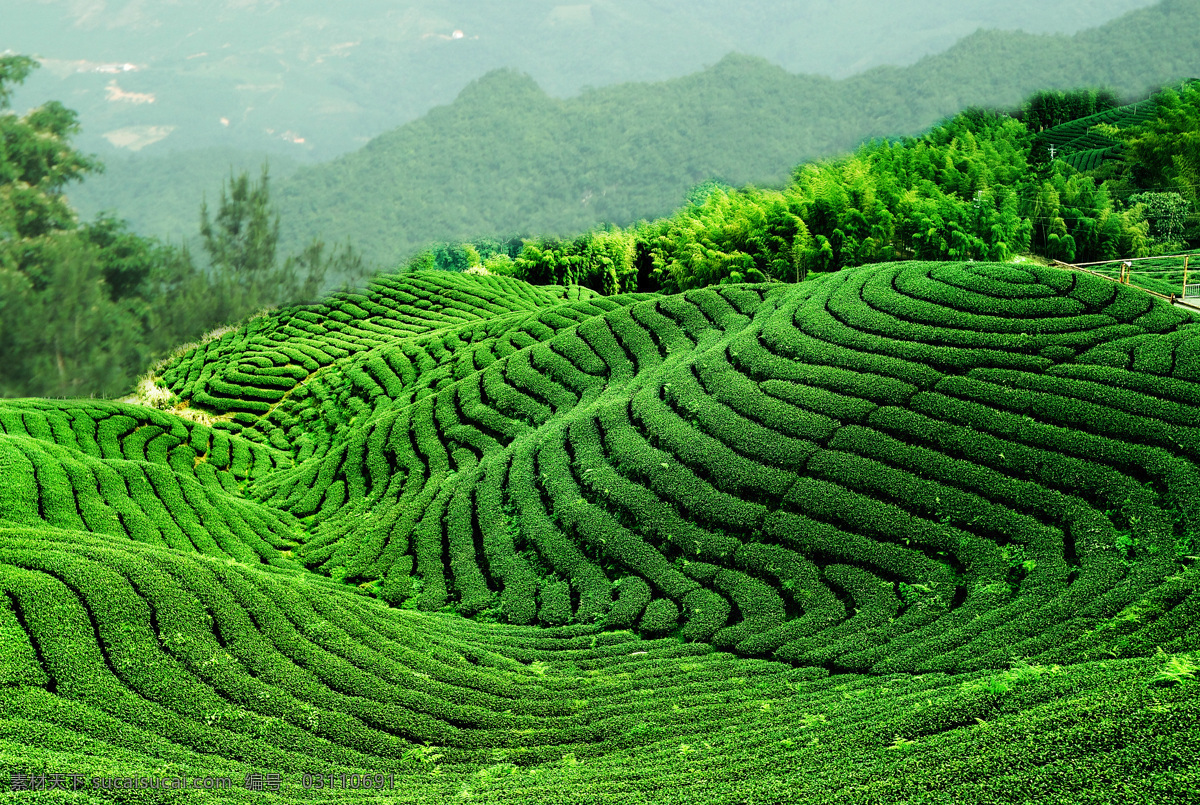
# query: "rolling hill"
{"points": [[912, 532]]}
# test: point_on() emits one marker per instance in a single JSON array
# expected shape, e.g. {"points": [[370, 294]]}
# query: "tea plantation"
{"points": [[909, 533], [1082, 146]]}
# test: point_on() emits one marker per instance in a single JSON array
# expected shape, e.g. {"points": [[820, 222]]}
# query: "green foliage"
{"points": [[751, 236], [240, 244], [507, 157], [1168, 213], [1175, 669], [602, 260], [970, 188], [127, 261], [242, 241], [1049, 108], [66, 318], [1165, 149], [35, 163], [85, 307]]}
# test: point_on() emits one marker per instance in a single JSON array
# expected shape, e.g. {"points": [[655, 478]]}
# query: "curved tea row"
{"points": [[906, 467], [127, 659], [902, 529]]}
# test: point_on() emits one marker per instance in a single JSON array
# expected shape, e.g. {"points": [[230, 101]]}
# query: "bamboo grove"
{"points": [[1070, 176]]}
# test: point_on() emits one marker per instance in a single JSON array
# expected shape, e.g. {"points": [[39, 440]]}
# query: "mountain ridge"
{"points": [[633, 151]]}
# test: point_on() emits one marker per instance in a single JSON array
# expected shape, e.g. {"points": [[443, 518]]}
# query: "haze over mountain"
{"points": [[293, 78], [507, 158]]}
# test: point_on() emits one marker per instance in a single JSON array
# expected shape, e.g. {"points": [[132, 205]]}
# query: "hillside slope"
{"points": [[698, 537], [505, 157]]}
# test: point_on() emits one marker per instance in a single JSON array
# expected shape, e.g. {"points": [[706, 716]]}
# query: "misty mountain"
{"points": [[293, 78], [506, 158]]}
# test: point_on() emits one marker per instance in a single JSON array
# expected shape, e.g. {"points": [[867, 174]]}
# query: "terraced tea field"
{"points": [[917, 532], [1083, 146]]}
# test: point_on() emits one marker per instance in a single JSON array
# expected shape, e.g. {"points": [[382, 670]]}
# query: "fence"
{"points": [[1171, 276]]}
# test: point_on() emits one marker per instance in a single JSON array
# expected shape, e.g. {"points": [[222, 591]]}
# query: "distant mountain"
{"points": [[290, 77], [507, 158], [161, 195]]}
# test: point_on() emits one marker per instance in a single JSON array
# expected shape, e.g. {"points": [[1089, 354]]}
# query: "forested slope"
{"points": [[506, 158], [1071, 176], [293, 79], [982, 185], [917, 532]]}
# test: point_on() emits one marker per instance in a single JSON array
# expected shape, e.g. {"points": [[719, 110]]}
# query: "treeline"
{"points": [[972, 188], [507, 157], [86, 306], [511, 155]]}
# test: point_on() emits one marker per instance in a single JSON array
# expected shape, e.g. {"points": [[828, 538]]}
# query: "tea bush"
{"points": [[518, 543]]}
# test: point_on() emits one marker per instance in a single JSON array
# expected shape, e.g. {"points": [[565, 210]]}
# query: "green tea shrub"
{"points": [[633, 594], [445, 498], [660, 617]]}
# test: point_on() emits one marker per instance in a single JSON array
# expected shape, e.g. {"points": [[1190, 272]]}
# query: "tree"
{"points": [[242, 239], [1049, 108], [85, 307], [1167, 214], [73, 340], [1166, 149], [60, 330], [549, 261], [240, 242], [127, 260], [36, 161]]}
